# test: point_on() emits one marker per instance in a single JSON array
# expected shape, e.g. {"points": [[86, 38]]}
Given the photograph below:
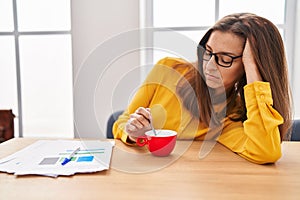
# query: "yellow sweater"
{"points": [[257, 139]]}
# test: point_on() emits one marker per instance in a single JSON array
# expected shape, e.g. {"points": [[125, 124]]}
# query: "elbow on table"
{"points": [[263, 157], [272, 158]]}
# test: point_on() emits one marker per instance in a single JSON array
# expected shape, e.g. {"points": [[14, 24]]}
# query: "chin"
{"points": [[214, 85], [216, 88]]}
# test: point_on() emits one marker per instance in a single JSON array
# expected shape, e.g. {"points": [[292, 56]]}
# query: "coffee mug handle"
{"points": [[141, 141]]}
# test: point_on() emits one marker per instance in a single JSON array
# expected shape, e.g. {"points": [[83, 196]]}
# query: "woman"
{"points": [[237, 93]]}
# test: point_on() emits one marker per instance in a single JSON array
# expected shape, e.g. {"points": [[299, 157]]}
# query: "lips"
{"points": [[211, 77]]}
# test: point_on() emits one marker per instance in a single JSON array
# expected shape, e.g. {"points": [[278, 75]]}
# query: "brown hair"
{"points": [[269, 54]]}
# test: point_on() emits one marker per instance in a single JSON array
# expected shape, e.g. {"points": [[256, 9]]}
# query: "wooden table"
{"points": [[220, 175]]}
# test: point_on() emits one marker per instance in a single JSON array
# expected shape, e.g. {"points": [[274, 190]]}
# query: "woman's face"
{"points": [[218, 77]]}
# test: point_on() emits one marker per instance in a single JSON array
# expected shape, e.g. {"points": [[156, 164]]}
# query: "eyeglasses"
{"points": [[222, 59]]}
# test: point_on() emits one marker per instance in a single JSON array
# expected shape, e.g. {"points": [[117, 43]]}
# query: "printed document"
{"points": [[45, 157]]}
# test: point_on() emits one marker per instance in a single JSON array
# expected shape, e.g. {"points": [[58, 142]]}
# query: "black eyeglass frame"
{"points": [[202, 50]]}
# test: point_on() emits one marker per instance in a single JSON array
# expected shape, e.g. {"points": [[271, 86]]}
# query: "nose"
{"points": [[211, 64]]}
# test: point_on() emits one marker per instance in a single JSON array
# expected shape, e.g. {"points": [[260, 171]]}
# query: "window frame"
{"points": [[16, 34]]}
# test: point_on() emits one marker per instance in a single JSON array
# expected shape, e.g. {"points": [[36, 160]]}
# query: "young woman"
{"points": [[237, 93]]}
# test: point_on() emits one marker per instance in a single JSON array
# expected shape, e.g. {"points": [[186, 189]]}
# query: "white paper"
{"points": [[44, 157]]}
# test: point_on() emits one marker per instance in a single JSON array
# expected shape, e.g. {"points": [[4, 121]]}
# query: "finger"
{"points": [[132, 131], [135, 122], [248, 49], [145, 112], [130, 128], [138, 120]]}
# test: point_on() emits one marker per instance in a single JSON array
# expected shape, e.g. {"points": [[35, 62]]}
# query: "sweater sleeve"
{"points": [[258, 138]]}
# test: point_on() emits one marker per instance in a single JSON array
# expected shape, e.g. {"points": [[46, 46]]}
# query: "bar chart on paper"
{"points": [[84, 155]]}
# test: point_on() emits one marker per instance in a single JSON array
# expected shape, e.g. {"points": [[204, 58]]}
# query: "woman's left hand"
{"points": [[250, 66]]}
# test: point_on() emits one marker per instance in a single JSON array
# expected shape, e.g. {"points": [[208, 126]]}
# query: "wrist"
{"points": [[252, 74]]}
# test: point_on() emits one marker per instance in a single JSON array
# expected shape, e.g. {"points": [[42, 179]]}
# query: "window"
{"points": [[36, 66]]}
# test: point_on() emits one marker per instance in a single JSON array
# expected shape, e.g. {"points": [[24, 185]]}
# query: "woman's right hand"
{"points": [[138, 123]]}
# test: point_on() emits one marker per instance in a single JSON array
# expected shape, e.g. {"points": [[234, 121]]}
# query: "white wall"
{"points": [[296, 72], [105, 76]]}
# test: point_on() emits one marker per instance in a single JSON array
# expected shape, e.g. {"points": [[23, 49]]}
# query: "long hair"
{"points": [[269, 55]]}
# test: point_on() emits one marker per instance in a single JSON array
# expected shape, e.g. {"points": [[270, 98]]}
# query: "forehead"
{"points": [[225, 42]]}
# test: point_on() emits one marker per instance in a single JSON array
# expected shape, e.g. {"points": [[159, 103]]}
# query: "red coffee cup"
{"points": [[161, 144]]}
